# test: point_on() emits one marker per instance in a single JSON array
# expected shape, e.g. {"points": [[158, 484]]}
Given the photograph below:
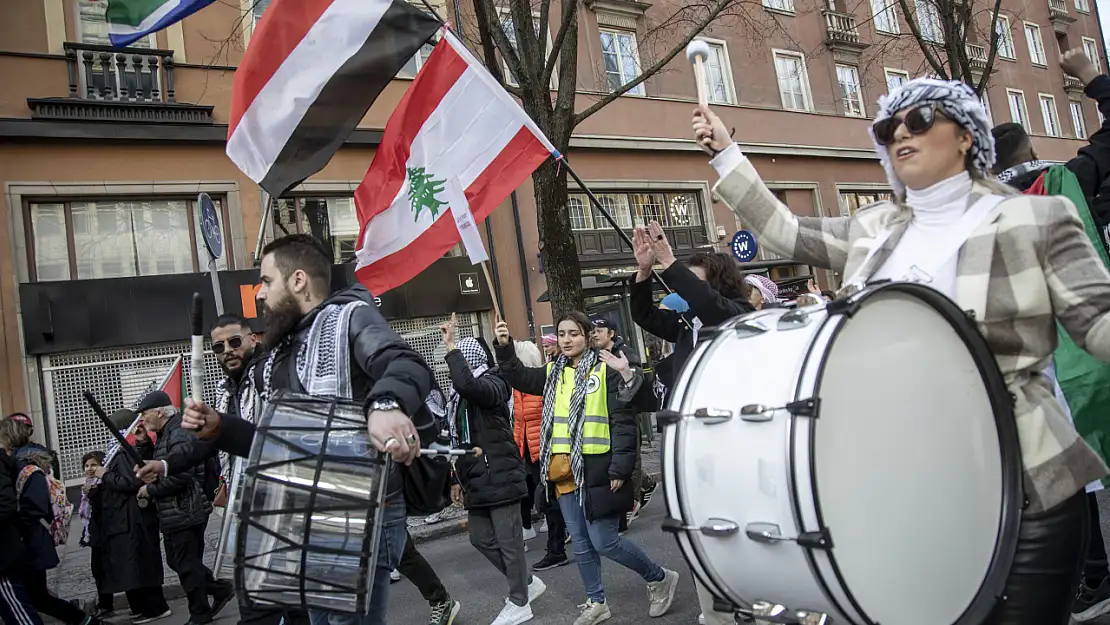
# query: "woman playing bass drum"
{"points": [[1024, 264]]}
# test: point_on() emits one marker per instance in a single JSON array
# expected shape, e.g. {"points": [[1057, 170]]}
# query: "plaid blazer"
{"points": [[1028, 264]]}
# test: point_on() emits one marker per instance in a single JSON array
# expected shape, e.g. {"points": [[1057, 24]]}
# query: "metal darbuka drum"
{"points": [[308, 524], [225, 550], [817, 460]]}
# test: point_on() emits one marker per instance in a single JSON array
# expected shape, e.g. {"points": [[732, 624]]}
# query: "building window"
{"points": [[786, 6], [896, 78], [414, 64], [671, 209], [1018, 112], [1077, 122], [1036, 46], [1090, 46], [1049, 115], [621, 59], [258, 7], [851, 95], [928, 20], [718, 74], [886, 19], [510, 32], [82, 240], [332, 220], [92, 26], [1006, 47], [793, 81], [852, 201], [1083, 6]]}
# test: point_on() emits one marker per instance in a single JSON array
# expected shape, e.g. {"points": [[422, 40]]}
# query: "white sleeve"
{"points": [[727, 160]]}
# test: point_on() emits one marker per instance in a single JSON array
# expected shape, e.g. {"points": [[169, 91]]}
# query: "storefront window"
{"points": [[83, 240], [671, 210]]}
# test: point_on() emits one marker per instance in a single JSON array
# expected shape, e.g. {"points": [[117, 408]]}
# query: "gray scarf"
{"points": [[585, 367]]}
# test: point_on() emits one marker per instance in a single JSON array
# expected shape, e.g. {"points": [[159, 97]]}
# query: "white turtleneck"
{"points": [[935, 210]]}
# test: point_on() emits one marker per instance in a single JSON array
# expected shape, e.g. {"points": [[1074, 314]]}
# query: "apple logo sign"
{"points": [[469, 282]]}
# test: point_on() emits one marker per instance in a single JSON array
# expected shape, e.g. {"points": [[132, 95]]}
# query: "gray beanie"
{"points": [[959, 103]]}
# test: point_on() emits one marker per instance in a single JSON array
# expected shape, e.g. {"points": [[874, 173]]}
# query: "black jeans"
{"points": [[1096, 569], [556, 528], [148, 601], [1052, 546], [421, 574], [527, 502], [46, 603], [104, 600], [184, 554]]}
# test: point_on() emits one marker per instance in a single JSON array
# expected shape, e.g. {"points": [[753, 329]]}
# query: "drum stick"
{"points": [[477, 451], [124, 445], [697, 52], [197, 372]]}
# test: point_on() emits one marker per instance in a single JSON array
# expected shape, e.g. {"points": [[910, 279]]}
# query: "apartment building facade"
{"points": [[103, 153]]}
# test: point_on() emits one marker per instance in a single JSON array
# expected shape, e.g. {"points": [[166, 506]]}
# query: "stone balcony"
{"points": [[842, 37], [1058, 15]]}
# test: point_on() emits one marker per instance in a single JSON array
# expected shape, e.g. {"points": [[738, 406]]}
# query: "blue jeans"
{"points": [[390, 547], [593, 539]]}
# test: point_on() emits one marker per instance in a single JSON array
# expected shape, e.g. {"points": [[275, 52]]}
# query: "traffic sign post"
{"points": [[214, 242], [743, 246]]}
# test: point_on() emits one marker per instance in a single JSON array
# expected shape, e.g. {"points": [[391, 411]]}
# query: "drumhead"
{"points": [[914, 460]]}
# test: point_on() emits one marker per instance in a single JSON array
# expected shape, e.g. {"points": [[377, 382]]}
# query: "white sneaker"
{"points": [[513, 614], [661, 593], [593, 613], [701, 619], [529, 533], [394, 575], [536, 588], [543, 527]]}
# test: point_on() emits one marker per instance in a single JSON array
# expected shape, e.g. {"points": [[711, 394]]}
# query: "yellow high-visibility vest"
{"points": [[595, 424]]}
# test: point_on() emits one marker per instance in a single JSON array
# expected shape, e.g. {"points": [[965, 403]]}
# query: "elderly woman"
{"points": [[1023, 263]]}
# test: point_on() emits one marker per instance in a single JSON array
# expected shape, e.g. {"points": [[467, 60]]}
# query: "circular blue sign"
{"points": [[743, 246], [210, 226]]}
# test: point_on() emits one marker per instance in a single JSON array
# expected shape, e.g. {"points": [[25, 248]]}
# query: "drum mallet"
{"points": [[697, 52], [197, 364], [444, 451]]}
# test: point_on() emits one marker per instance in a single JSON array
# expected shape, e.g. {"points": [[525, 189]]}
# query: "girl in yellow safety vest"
{"points": [[587, 454]]}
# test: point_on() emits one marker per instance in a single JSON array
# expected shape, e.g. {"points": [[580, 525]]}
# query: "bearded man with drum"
{"points": [[385, 373]]}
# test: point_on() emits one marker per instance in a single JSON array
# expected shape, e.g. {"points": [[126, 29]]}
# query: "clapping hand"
{"points": [[659, 244], [641, 247]]}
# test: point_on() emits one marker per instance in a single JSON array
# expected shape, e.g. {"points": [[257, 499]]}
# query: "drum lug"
{"points": [[717, 528], [748, 328], [794, 319], [770, 533], [757, 413], [712, 415]]}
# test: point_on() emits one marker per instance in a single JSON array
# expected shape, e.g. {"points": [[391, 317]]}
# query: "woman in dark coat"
{"points": [[712, 285], [491, 485], [128, 535]]}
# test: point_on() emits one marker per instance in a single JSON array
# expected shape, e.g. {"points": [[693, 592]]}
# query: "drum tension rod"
{"points": [[758, 413], [709, 416], [713, 527], [770, 533]]}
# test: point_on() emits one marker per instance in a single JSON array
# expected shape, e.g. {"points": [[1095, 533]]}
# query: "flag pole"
{"points": [[492, 291], [613, 222], [265, 218]]}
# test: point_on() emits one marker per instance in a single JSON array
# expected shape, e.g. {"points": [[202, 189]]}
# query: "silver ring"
{"points": [[389, 442], [410, 439]]}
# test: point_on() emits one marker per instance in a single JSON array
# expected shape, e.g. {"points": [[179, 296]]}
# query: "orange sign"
{"points": [[247, 292]]}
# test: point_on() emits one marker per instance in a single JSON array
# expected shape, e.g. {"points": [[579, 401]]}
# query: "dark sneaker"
{"points": [[550, 561], [1091, 603], [444, 612], [220, 599], [150, 619], [645, 494]]}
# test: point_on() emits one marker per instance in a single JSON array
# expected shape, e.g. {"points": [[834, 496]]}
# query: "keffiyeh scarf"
{"points": [[1018, 170], [958, 103], [323, 361], [582, 372], [479, 364]]}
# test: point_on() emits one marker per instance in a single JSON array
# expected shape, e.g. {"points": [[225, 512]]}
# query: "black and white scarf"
{"points": [[323, 361], [1020, 170], [582, 373], [479, 364], [248, 402]]}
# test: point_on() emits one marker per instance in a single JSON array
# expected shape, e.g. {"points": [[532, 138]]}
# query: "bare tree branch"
{"points": [[717, 8], [570, 16]]}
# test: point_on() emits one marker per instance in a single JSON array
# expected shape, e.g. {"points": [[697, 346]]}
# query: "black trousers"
{"points": [[556, 527], [104, 600], [1052, 546], [184, 554], [1096, 569], [414, 567], [271, 616], [46, 603], [149, 601]]}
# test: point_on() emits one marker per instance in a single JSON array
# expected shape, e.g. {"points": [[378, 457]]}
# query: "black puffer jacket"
{"points": [[497, 477], [618, 464], [705, 302], [11, 544], [179, 496], [127, 534]]}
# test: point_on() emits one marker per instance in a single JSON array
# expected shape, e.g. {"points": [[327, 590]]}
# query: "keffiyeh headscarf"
{"points": [[767, 287], [478, 360], [958, 103]]}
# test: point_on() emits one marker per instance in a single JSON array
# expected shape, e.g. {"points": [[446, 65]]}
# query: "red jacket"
{"points": [[527, 419]]}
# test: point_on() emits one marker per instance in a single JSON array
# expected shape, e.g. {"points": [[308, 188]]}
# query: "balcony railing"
{"points": [[119, 84], [1058, 15], [841, 27], [1073, 85], [976, 56], [1057, 6]]}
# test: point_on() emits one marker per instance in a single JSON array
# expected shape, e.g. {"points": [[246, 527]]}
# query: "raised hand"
{"points": [[448, 330], [641, 247], [1076, 63], [659, 244], [709, 131], [500, 332]]}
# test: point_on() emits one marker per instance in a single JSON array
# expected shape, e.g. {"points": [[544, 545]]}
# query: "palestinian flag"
{"points": [[171, 384], [310, 73], [455, 128], [131, 20]]}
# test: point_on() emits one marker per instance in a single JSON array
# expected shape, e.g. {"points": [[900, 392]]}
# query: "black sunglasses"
{"points": [[234, 342], [918, 120]]}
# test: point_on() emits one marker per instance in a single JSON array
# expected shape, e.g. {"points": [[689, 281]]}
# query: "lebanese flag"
{"points": [[455, 128], [311, 71]]}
